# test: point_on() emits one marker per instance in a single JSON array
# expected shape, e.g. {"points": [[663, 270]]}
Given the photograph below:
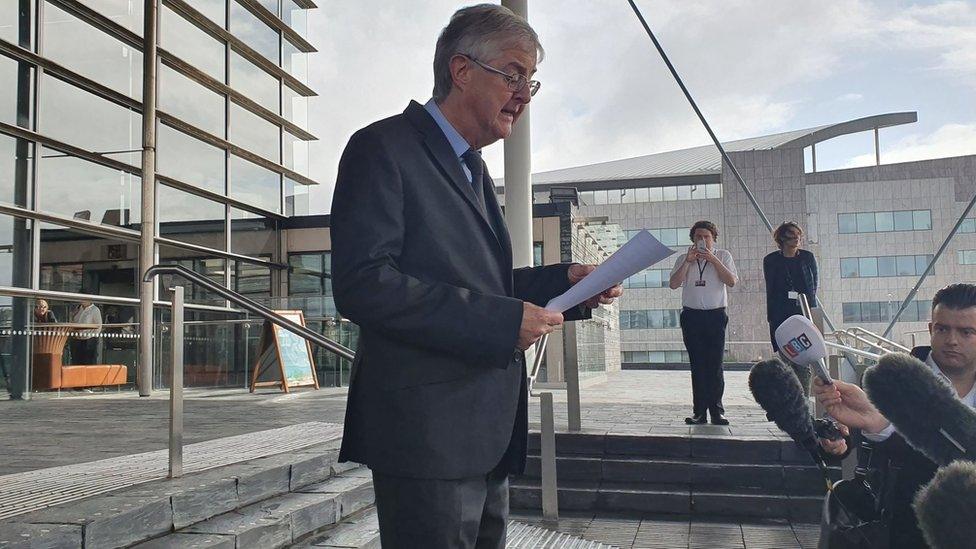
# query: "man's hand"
{"points": [[836, 447], [692, 255], [578, 272], [536, 322], [849, 405], [708, 256]]}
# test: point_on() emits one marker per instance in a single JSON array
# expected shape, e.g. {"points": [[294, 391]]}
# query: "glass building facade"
{"points": [[231, 165]]}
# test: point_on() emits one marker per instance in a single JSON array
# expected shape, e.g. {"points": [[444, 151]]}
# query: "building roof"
{"points": [[706, 159]]}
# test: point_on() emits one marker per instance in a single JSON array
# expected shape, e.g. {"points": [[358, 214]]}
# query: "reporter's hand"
{"points": [[692, 255], [836, 447], [536, 322], [578, 272], [849, 405], [707, 255]]}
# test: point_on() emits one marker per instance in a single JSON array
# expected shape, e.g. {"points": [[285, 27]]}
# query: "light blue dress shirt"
{"points": [[458, 144]]}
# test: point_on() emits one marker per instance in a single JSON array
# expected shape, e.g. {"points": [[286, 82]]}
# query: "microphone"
{"points": [[803, 343], [923, 408], [777, 389], [946, 506]]}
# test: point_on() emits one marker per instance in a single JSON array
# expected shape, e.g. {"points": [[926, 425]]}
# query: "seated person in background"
{"points": [[42, 313], [789, 271], [952, 356], [84, 340]]}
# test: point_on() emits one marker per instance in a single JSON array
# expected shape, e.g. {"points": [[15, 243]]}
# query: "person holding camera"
{"points": [[703, 274], [789, 272]]}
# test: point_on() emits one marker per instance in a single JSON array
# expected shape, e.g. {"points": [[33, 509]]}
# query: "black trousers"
{"points": [[469, 513], [703, 331], [84, 351]]}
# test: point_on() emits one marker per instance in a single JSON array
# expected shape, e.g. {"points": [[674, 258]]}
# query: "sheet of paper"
{"points": [[639, 253]]}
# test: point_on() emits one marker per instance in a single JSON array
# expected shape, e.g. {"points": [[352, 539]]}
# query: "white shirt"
{"points": [[713, 294], [968, 400], [88, 315]]}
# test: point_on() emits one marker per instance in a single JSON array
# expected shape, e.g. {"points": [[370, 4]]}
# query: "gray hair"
{"points": [[481, 31]]}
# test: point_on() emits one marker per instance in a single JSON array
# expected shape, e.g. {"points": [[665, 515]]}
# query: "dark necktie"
{"points": [[476, 165]]}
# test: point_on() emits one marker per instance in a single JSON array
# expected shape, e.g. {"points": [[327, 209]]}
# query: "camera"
{"points": [[701, 245]]}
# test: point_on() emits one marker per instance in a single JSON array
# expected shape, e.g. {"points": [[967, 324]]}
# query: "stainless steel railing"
{"points": [[176, 371]]}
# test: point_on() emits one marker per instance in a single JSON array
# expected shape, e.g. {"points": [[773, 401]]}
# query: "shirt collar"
{"points": [[458, 144], [969, 400]]}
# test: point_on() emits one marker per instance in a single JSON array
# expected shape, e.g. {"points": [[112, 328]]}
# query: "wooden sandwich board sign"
{"points": [[284, 357]]}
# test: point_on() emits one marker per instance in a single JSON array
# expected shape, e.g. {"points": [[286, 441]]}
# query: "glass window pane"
{"points": [[296, 108], [75, 261], [599, 197], [190, 160], [868, 267], [250, 279], [713, 190], [254, 83], [628, 196], [305, 274], [15, 255], [127, 13], [254, 133], [865, 222], [923, 220], [846, 223], [91, 52], [296, 198], [885, 221], [906, 265], [684, 192], [213, 9], [586, 198], [16, 162], [77, 117], [641, 194], [255, 185], [613, 196], [191, 44], [190, 101], [295, 61], [17, 78], [697, 191], [294, 16], [848, 267], [886, 266], [852, 312], [903, 221], [110, 197], [968, 225], [670, 193], [871, 311], [922, 263], [190, 218], [210, 267], [656, 194], [253, 32], [251, 234]]}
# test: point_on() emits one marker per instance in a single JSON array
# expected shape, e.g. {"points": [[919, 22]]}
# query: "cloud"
{"points": [[849, 98], [946, 141]]}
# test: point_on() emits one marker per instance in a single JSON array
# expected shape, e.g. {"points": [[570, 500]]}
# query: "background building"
{"points": [[873, 230]]}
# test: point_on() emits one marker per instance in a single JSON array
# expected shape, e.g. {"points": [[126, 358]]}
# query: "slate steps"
{"points": [[713, 476], [359, 531]]}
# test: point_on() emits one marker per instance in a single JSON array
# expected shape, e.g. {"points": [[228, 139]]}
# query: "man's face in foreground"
{"points": [[953, 334]]}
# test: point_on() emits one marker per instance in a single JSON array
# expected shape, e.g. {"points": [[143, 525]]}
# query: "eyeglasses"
{"points": [[516, 82]]}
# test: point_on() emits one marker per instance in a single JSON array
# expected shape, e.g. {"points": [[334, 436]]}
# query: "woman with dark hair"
{"points": [[789, 272]]}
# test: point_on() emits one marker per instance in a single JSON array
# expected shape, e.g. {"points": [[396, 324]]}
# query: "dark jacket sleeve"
{"points": [[368, 229], [813, 279], [540, 284], [769, 274]]}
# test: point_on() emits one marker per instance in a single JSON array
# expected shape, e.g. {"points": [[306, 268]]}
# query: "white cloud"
{"points": [[849, 98], [947, 141]]}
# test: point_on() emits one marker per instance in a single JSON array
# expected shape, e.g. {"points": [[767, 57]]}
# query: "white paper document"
{"points": [[637, 254]]}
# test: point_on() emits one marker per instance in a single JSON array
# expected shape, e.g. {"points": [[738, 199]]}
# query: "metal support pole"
{"points": [[550, 495], [571, 375], [877, 148], [147, 247], [176, 387], [928, 269], [518, 174], [813, 156]]}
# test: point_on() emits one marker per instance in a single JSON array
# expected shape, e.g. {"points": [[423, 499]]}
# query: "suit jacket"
{"points": [[437, 389]]}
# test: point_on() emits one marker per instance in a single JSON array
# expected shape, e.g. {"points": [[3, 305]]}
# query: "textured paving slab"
{"points": [[38, 489]]}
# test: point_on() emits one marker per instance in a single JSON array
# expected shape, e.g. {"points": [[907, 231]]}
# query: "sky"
{"points": [[755, 67]]}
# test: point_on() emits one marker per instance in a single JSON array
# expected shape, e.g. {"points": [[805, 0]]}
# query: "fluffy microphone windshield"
{"points": [[922, 407], [946, 506], [777, 389]]}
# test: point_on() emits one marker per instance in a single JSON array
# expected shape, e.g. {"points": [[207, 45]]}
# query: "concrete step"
{"points": [[720, 447], [676, 499], [282, 520], [692, 472], [132, 515], [360, 531]]}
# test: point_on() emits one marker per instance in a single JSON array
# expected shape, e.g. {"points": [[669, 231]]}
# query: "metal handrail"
{"points": [[881, 339], [252, 307]]}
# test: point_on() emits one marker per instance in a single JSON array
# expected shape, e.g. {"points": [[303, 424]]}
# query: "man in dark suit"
{"points": [[422, 262], [952, 356]]}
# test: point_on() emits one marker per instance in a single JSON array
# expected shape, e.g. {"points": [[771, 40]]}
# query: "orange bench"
{"points": [[49, 373]]}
